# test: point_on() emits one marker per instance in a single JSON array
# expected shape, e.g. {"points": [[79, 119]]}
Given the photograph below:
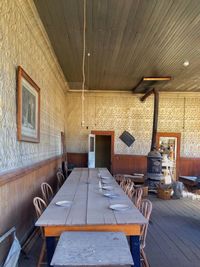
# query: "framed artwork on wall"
{"points": [[28, 108]]}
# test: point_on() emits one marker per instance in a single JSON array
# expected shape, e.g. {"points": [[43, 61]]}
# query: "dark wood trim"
{"points": [[178, 136], [109, 133], [15, 174]]}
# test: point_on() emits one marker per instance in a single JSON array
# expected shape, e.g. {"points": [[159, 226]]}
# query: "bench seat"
{"points": [[92, 249]]}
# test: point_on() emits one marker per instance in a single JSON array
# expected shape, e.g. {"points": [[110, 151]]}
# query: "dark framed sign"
{"points": [[127, 138], [28, 108]]}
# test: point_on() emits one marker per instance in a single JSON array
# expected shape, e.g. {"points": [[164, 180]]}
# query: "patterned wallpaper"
{"points": [[23, 42], [118, 112]]}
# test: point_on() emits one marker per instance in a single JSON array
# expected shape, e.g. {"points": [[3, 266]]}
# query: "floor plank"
{"points": [[174, 233]]}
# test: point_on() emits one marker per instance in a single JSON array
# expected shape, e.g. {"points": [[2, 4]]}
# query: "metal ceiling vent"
{"points": [[127, 138]]}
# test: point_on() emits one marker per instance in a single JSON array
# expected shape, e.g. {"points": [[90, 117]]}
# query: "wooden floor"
{"points": [[173, 238], [174, 233]]}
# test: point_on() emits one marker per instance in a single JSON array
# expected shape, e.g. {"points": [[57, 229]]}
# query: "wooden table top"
{"points": [[89, 205]]}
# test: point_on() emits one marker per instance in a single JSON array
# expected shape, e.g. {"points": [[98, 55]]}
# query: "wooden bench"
{"points": [[92, 249]]}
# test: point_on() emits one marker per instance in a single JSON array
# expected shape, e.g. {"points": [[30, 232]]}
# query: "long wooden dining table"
{"points": [[90, 210]]}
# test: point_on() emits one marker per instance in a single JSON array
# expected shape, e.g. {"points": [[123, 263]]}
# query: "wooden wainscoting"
{"points": [[17, 190], [129, 164], [77, 159], [121, 163], [189, 166], [137, 163]]}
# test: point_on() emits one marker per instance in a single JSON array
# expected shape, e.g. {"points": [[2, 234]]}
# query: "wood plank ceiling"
{"points": [[127, 40]]}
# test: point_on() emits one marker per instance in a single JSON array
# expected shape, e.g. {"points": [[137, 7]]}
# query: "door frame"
{"points": [[178, 136], [112, 135]]}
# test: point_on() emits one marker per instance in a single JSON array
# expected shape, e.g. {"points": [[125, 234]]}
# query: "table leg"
{"points": [[50, 246], [135, 249]]}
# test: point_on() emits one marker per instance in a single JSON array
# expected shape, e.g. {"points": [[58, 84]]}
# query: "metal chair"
{"points": [[60, 178], [47, 192], [40, 205], [14, 251], [138, 197], [146, 209]]}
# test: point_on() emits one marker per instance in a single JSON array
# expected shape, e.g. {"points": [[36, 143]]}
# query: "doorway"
{"points": [[104, 149], [168, 145]]}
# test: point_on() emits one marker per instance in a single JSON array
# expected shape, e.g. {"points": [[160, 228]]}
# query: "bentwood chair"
{"points": [[124, 183], [40, 205], [47, 192], [128, 188], [61, 179], [145, 209], [138, 197], [131, 191], [119, 178]]}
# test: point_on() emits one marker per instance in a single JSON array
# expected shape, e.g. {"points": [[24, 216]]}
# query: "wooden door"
{"points": [[168, 145], [91, 151]]}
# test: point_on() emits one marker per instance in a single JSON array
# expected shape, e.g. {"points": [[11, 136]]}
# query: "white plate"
{"points": [[105, 177], [119, 207], [105, 181], [111, 195], [64, 203], [107, 187]]}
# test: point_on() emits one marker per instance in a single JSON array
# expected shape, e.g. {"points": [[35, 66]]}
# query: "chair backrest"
{"points": [[40, 205], [124, 183], [145, 209], [138, 197], [131, 191], [60, 178], [119, 178], [47, 192], [128, 187]]}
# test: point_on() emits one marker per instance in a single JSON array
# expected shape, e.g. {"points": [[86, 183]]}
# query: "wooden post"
{"points": [[155, 119]]}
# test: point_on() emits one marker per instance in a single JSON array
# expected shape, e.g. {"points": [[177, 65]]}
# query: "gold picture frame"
{"points": [[28, 108]]}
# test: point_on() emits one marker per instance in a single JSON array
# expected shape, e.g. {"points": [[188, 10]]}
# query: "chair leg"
{"points": [[41, 254], [144, 258]]}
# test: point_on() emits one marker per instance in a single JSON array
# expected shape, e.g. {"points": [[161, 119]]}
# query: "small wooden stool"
{"points": [[92, 249]]}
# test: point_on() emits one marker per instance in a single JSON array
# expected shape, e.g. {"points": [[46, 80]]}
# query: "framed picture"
{"points": [[28, 108]]}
